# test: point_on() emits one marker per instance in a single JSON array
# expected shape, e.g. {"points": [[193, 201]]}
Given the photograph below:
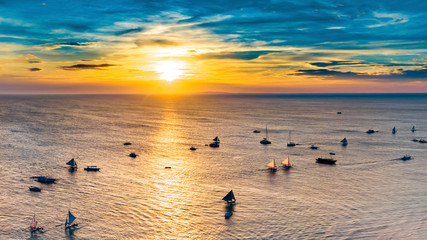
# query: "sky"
{"points": [[185, 47]]}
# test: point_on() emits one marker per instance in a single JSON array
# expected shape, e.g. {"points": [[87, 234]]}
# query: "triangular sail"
{"points": [[286, 162], [216, 139], [229, 197], [344, 140], [272, 164], [71, 218], [72, 162]]}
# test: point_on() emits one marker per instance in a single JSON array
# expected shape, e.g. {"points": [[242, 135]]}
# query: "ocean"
{"points": [[368, 194]]}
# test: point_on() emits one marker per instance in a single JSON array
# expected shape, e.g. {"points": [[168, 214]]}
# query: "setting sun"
{"points": [[170, 70]]}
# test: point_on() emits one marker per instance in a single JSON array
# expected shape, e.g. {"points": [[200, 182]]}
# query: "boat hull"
{"points": [[326, 161]]}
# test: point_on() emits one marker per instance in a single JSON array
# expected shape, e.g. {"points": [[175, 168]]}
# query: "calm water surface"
{"points": [[367, 195]]}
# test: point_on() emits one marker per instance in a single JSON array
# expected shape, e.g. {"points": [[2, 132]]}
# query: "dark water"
{"points": [[367, 195]]}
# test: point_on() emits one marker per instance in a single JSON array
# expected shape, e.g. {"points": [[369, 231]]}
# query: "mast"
{"points": [[266, 132]]}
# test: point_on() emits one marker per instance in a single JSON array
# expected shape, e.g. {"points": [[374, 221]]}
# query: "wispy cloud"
{"points": [[88, 66]]}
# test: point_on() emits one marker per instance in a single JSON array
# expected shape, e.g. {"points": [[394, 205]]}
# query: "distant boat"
{"points": [[44, 179], [413, 129], [415, 140], [338, 112], [394, 130], [406, 157], [325, 160], [69, 221], [92, 168], [344, 142], [127, 143], [370, 131], [331, 153], [132, 155], [35, 189], [256, 131], [286, 163], [215, 142], [265, 140], [422, 140], [73, 164], [314, 147], [231, 200], [290, 143], [272, 165], [193, 148], [33, 227]]}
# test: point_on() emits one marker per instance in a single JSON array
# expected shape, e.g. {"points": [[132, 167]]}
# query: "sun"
{"points": [[170, 70]]}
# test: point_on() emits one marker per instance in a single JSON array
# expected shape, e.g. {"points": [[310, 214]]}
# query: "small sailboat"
{"points": [[33, 227], [286, 163], [413, 129], [290, 143], [265, 140], [73, 164], [370, 131], [344, 142], [272, 165], [231, 200], [406, 157], [69, 221], [314, 147], [394, 130], [215, 142]]}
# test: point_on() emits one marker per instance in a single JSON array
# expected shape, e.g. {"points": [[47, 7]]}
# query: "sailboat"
{"points": [[265, 140], [231, 200], [272, 165], [413, 129], [73, 164], [290, 143], [215, 142], [394, 130], [344, 142], [69, 221], [33, 226], [286, 163]]}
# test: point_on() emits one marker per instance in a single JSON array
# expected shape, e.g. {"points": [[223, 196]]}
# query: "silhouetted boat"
{"points": [[92, 168], [256, 131], [338, 112], [415, 140], [394, 130], [229, 198], [286, 163], [127, 143], [290, 143], [33, 226], [35, 189], [272, 165], [193, 148], [413, 129], [69, 221], [422, 140], [44, 179], [215, 142], [314, 147], [325, 160], [265, 140], [344, 142], [132, 155], [406, 157], [370, 131], [73, 164], [331, 153]]}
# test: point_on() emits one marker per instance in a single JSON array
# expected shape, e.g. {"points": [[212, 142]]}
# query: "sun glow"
{"points": [[170, 70]]}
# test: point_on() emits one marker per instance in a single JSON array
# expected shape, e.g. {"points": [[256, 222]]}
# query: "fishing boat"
{"points": [[231, 200], [265, 140], [314, 147], [92, 168], [69, 221], [286, 163], [290, 143], [325, 160], [33, 227], [35, 189], [272, 165], [344, 142], [215, 142], [73, 164], [370, 131], [413, 129], [406, 157], [394, 130]]}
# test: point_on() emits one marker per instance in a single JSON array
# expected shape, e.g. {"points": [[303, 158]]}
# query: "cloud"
{"points": [[131, 30], [51, 46], [333, 63], [243, 55], [155, 42], [324, 72], [35, 69], [87, 66]]}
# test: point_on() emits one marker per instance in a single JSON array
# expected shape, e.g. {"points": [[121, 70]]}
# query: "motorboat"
{"points": [[44, 179], [370, 131], [325, 160], [92, 168], [193, 148], [127, 143], [422, 140], [290, 143], [256, 131]]}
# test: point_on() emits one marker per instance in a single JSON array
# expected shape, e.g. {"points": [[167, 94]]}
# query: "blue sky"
{"points": [[337, 42]]}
